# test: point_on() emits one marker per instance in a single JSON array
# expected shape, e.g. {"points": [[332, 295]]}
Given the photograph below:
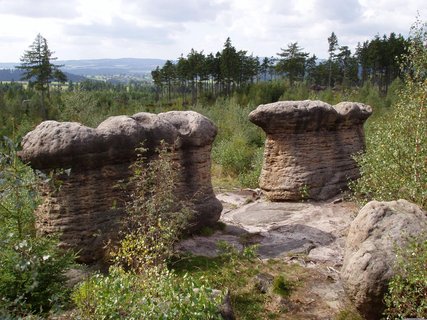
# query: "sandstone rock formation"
{"points": [[87, 207], [309, 147], [369, 253]]}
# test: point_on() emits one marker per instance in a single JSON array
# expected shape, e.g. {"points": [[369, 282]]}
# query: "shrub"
{"points": [[31, 267], [407, 292], [394, 164], [250, 177], [139, 285], [281, 286], [234, 155], [155, 218], [32, 275], [158, 294], [18, 192]]}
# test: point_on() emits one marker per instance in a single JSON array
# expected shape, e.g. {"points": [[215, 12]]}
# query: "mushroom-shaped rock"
{"points": [[369, 255], [86, 209], [309, 147]]}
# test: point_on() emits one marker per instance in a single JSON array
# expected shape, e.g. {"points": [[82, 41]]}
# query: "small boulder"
{"points": [[263, 282], [369, 253]]}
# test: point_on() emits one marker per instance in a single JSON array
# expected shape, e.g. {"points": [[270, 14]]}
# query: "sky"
{"points": [[165, 29]]}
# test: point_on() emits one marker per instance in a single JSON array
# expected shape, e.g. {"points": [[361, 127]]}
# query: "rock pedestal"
{"points": [[378, 229], [309, 147], [86, 208]]}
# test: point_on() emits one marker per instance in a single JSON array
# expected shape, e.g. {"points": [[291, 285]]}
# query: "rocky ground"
{"points": [[311, 234]]}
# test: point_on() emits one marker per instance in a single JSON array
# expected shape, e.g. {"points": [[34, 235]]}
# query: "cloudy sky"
{"points": [[80, 29]]}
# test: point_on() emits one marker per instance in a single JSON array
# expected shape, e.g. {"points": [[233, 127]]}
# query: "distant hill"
{"points": [[16, 74], [121, 70], [111, 66]]}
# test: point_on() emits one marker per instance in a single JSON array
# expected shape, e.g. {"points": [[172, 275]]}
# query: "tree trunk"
{"points": [[43, 106]]}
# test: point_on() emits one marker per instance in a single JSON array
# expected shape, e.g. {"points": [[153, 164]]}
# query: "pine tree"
{"points": [[333, 44], [292, 62], [39, 71]]}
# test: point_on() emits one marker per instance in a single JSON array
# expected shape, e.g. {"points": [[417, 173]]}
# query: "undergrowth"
{"points": [[236, 270], [31, 266], [139, 284]]}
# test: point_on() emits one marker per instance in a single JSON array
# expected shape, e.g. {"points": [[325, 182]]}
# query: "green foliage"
{"points": [[232, 269], [299, 91], [262, 92], [305, 192], [32, 275], [18, 192], [139, 285], [237, 149], [31, 267], [407, 291], [292, 62], [348, 314], [234, 155], [281, 286], [155, 218], [207, 231], [157, 294], [394, 164], [38, 69], [250, 178], [236, 269]]}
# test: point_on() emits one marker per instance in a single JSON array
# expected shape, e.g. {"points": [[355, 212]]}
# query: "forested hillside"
{"points": [[16, 75]]}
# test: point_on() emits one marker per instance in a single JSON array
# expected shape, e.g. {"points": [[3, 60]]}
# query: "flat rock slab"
{"points": [[311, 234], [281, 229]]}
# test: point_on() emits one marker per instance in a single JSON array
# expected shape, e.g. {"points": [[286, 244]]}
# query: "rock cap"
{"points": [[55, 144], [308, 115]]}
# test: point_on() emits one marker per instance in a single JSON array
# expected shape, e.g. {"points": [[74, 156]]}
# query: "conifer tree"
{"points": [[39, 71]]}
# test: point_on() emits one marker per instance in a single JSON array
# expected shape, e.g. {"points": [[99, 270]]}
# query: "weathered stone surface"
{"points": [[369, 254], [86, 209], [309, 147]]}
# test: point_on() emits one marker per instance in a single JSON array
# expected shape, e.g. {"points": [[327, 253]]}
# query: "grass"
{"points": [[236, 272]]}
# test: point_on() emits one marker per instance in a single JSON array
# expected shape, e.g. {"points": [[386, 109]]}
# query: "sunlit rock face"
{"points": [[379, 229], [309, 147], [86, 207]]}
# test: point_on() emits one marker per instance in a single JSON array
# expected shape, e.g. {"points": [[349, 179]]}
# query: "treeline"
{"points": [[230, 69], [199, 73]]}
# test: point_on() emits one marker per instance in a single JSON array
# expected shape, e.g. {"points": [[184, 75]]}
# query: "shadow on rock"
{"points": [[295, 238]]}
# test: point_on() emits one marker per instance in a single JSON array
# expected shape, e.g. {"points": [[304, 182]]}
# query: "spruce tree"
{"points": [[39, 71]]}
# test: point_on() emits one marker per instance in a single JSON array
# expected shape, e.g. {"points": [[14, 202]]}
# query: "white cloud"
{"points": [[166, 28], [176, 11], [39, 8]]}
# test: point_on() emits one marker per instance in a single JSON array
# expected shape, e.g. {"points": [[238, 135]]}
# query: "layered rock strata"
{"points": [[309, 147], [87, 207]]}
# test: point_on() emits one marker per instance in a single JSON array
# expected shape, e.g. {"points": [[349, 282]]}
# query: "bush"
{"points": [[32, 276], [139, 285], [282, 287], [18, 192], [407, 292], [157, 294], [31, 267], [394, 164], [155, 219], [234, 155], [250, 178]]}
